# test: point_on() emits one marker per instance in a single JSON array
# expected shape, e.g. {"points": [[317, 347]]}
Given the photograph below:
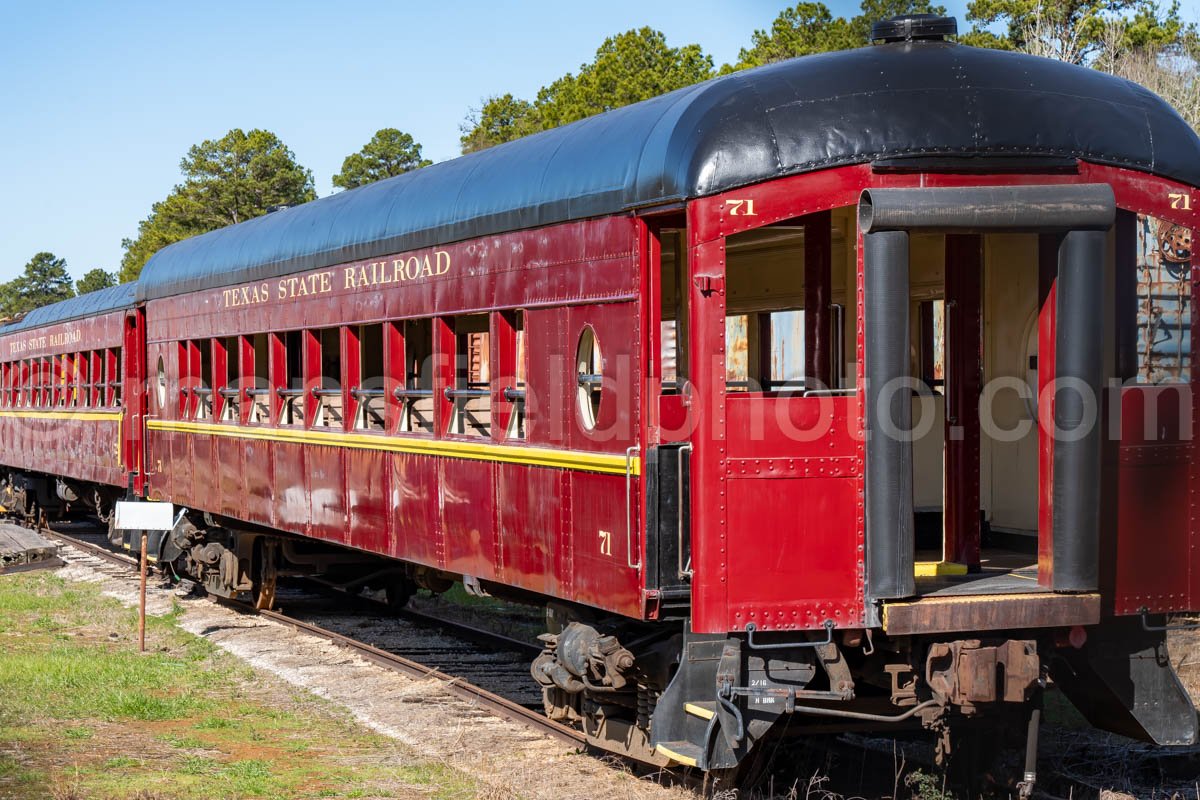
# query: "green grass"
{"points": [[83, 714]]}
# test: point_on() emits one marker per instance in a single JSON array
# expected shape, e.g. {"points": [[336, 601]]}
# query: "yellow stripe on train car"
{"points": [[78, 414], [532, 456]]}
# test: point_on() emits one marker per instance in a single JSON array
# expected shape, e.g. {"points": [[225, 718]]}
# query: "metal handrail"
{"points": [[327, 392], [752, 627], [514, 395], [685, 572], [402, 393], [1146, 626], [289, 392], [228, 393], [359, 394], [590, 380], [630, 452], [452, 394]]}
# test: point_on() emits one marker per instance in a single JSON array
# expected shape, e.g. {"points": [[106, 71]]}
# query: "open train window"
{"points": [[416, 396], [371, 405], [764, 326], [515, 393], [117, 384], [291, 383], [471, 395], [45, 383], [231, 380], [96, 387], [62, 377], [83, 387], [330, 405], [674, 311], [203, 390], [259, 392]]}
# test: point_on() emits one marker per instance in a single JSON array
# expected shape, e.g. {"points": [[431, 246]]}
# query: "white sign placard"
{"points": [[145, 516]]}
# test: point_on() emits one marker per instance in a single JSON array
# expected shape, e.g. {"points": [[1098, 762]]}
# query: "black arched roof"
{"points": [[115, 298], [927, 98]]}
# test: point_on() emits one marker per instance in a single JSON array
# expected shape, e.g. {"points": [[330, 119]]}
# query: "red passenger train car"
{"points": [[855, 389], [71, 383]]}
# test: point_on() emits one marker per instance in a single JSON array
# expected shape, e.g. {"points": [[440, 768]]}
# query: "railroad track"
{"points": [[857, 755], [455, 684]]}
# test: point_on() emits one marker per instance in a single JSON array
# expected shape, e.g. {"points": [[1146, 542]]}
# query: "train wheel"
{"points": [[266, 575], [399, 590]]}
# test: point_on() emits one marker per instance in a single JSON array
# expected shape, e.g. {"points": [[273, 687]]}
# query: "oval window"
{"points": [[589, 374], [162, 384]]}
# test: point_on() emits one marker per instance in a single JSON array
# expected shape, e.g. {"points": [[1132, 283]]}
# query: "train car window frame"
{"points": [[230, 374], [116, 382], [160, 385], [256, 377], [328, 392], [416, 395], [96, 372], [370, 406], [46, 382], [1163, 316], [674, 310], [182, 395], [470, 394], [514, 371], [202, 392], [83, 388], [290, 386], [589, 378]]}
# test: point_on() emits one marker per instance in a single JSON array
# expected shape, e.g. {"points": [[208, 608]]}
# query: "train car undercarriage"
{"points": [[662, 695]]}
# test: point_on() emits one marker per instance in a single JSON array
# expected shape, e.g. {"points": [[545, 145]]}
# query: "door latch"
{"points": [[707, 284]]}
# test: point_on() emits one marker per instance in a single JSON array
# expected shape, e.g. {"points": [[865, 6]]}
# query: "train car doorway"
{"points": [[974, 310]]}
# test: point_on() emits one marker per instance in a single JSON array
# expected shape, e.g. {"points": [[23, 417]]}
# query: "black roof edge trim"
{"points": [[989, 164]]}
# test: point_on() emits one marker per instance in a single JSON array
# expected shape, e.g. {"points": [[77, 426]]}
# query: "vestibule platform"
{"points": [[1001, 571]]}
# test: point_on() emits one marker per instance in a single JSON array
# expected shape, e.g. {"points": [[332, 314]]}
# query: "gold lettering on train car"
{"points": [[1180, 201], [63, 339], [304, 285]]}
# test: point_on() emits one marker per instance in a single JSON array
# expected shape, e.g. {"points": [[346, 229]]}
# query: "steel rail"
{"points": [[460, 629], [397, 663], [502, 706]]}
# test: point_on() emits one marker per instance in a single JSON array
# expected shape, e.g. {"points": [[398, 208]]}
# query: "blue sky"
{"points": [[102, 100]]}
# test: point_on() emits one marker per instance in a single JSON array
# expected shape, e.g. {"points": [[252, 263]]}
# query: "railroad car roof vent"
{"points": [[914, 27]]}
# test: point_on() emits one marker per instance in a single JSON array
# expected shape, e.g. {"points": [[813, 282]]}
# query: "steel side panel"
{"points": [[79, 449], [367, 479], [599, 570], [1154, 553], [258, 504], [206, 480], [468, 517], [293, 509], [528, 510], [415, 521], [792, 478], [229, 472], [326, 491]]}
